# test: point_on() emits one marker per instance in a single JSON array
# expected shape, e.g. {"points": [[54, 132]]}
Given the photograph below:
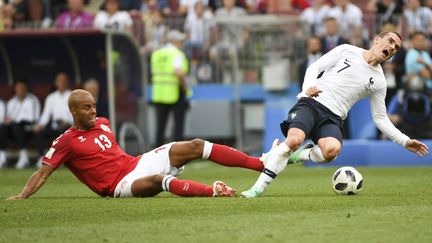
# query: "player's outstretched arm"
{"points": [[417, 147], [34, 183]]}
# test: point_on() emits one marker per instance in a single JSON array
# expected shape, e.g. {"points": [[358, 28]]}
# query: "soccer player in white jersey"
{"points": [[332, 85]]}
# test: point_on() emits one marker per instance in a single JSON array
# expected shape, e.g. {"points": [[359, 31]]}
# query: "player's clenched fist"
{"points": [[313, 91]]}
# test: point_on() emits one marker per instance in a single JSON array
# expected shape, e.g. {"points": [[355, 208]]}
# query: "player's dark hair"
{"points": [[22, 80], [384, 33], [416, 33], [330, 18]]}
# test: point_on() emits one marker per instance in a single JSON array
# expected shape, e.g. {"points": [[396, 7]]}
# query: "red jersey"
{"points": [[93, 156]]}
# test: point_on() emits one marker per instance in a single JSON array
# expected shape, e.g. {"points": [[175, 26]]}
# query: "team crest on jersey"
{"points": [[370, 83], [105, 128]]}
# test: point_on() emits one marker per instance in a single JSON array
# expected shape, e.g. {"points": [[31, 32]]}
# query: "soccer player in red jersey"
{"points": [[90, 151]]}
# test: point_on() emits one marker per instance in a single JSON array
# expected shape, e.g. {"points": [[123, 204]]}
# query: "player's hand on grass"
{"points": [[417, 147], [313, 91], [17, 197]]}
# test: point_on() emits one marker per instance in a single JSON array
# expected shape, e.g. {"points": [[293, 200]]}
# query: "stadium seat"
{"points": [[6, 92], [41, 91]]}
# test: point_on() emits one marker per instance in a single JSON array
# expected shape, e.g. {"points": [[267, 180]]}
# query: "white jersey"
{"points": [[56, 108], [116, 22], [347, 78], [27, 110]]}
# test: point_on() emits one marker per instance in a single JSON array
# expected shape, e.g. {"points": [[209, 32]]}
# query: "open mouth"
{"points": [[386, 53]]}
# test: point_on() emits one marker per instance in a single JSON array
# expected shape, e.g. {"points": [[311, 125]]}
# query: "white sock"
{"points": [[316, 155], [166, 181], [276, 163], [2, 157], [23, 159], [207, 149], [305, 153]]}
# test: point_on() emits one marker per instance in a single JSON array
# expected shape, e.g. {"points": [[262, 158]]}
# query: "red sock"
{"points": [[187, 188], [228, 156]]}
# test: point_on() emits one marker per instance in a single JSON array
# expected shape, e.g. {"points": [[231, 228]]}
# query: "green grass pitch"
{"points": [[300, 206]]}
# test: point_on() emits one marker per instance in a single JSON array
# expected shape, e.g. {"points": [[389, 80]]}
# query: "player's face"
{"points": [[387, 46], [85, 112]]}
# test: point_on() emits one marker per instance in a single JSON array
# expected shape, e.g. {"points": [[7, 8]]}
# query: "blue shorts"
{"points": [[314, 119]]}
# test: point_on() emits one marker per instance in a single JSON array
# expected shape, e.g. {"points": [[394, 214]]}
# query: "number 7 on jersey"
{"points": [[346, 62]]}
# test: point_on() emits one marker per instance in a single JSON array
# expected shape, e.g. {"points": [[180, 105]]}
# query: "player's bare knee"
{"points": [[293, 142], [197, 145], [330, 152], [156, 179]]}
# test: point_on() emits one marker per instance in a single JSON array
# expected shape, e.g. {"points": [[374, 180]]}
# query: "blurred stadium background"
{"points": [[248, 93]]}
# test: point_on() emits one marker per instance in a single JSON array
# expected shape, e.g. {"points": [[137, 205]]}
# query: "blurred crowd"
{"points": [[25, 122], [208, 48]]}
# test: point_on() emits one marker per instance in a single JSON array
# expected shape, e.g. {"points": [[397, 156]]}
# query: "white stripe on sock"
{"points": [[207, 149], [166, 181], [316, 155]]}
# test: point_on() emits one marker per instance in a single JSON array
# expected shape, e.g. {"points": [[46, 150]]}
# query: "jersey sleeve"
{"points": [[382, 121], [325, 62], [59, 153], [104, 121]]}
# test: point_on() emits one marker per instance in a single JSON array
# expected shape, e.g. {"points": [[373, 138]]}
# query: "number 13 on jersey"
{"points": [[103, 142]]}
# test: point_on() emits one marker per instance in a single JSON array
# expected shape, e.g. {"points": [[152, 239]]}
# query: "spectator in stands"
{"points": [[411, 112], [22, 111], [26, 10], [283, 6], [200, 30], [313, 53], [156, 31], [152, 5], [385, 11], [92, 86], [315, 16], [232, 39], [187, 7], [55, 118], [170, 89], [418, 62], [75, 17], [332, 37], [111, 18], [349, 17], [6, 17], [3, 133], [417, 17]]}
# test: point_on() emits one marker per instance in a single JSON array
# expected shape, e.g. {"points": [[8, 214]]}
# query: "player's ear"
{"points": [[72, 111]]}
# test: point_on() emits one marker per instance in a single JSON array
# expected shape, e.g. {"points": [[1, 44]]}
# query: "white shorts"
{"points": [[155, 162]]}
